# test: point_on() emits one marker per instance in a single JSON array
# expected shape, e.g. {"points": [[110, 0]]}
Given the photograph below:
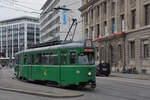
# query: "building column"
{"points": [[25, 35], [126, 15], [117, 17], [89, 29], [138, 19], [12, 43], [1, 39], [35, 33], [83, 27], [18, 38], [6, 42]]}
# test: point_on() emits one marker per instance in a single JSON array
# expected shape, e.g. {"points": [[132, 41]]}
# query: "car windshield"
{"points": [[86, 58]]}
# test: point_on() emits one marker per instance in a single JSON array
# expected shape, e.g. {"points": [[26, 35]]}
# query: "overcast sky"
{"points": [[16, 8]]}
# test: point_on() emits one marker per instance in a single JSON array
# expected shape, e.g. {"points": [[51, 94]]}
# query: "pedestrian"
{"points": [[11, 65]]}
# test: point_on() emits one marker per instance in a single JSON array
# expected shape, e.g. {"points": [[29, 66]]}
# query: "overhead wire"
{"points": [[21, 5], [25, 2], [77, 1], [16, 9], [35, 11]]}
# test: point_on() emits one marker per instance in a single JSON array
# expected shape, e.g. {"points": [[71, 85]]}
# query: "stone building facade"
{"points": [[120, 30]]}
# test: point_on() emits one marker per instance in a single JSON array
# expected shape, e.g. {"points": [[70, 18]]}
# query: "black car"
{"points": [[103, 69]]}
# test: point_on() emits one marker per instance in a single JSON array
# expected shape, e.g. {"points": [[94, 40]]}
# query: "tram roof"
{"points": [[76, 44]]}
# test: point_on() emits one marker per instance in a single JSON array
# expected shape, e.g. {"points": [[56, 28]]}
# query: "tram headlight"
{"points": [[89, 73]]}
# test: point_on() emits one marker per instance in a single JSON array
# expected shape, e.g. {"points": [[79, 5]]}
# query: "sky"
{"points": [[17, 8]]}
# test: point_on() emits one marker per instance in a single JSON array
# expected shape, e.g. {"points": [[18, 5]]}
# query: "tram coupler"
{"points": [[93, 85]]}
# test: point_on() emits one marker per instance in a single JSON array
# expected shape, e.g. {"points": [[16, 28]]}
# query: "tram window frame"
{"points": [[64, 58], [75, 58]]}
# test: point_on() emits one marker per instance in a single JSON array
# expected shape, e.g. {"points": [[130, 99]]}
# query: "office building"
{"points": [[17, 34]]}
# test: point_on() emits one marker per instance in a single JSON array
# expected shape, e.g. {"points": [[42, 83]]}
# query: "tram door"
{"points": [[30, 63], [67, 67], [63, 64]]}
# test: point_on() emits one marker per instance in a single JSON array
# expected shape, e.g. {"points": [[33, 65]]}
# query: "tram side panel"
{"points": [[76, 74]]}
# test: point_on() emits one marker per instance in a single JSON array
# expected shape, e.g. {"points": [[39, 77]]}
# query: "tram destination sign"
{"points": [[88, 43], [88, 49]]}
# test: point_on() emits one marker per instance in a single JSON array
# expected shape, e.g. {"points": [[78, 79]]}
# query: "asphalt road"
{"points": [[108, 88]]}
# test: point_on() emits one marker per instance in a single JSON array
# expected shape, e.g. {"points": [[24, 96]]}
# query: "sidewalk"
{"points": [[8, 83], [131, 76]]}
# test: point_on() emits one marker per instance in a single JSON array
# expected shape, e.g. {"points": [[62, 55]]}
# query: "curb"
{"points": [[130, 77], [41, 94]]}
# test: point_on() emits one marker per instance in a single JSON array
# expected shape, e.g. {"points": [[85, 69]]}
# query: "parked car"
{"points": [[103, 69]]}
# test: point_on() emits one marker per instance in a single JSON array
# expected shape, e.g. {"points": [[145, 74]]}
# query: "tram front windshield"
{"points": [[86, 58]]}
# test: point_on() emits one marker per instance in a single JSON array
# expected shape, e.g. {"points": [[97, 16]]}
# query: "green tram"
{"points": [[64, 64]]}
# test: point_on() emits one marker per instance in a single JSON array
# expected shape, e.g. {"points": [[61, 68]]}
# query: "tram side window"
{"points": [[38, 58], [53, 59], [83, 59], [72, 58], [30, 59], [25, 59], [45, 58], [19, 60], [86, 58], [63, 58], [16, 60]]}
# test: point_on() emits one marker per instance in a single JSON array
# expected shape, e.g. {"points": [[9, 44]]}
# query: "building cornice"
{"points": [[87, 5], [20, 18], [45, 4]]}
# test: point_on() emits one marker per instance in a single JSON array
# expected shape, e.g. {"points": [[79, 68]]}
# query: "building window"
{"points": [[132, 48], [121, 3], [86, 34], [133, 19], [146, 49], [86, 18], [105, 28], [113, 8], [92, 32], [122, 23], [112, 54], [105, 8], [147, 14], [98, 30], [98, 11], [113, 25], [120, 51], [92, 15]]}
